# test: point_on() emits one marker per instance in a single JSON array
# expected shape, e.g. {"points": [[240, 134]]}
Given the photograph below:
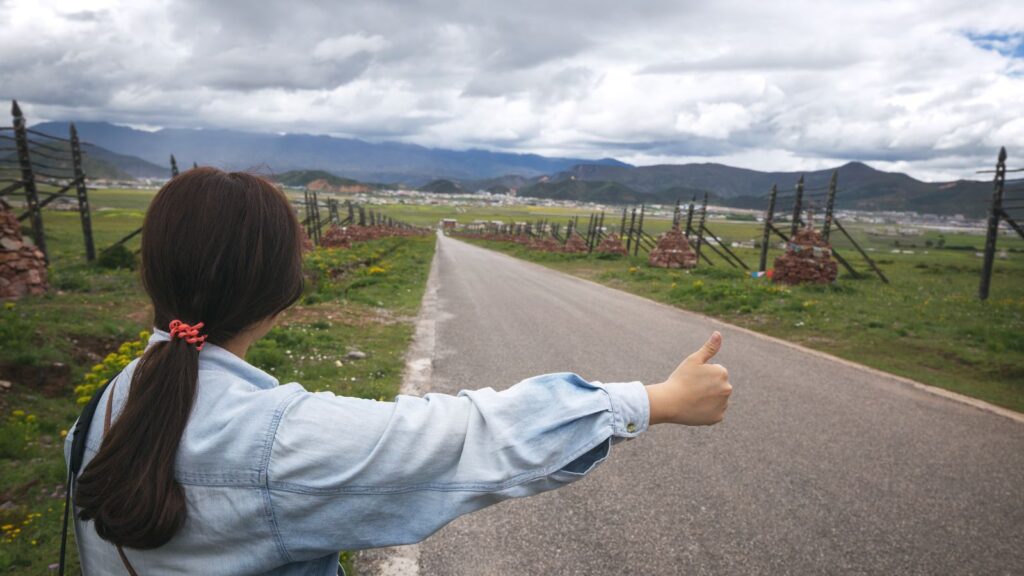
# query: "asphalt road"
{"points": [[819, 468]]}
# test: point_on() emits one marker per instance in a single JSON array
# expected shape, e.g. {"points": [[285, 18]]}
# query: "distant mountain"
{"points": [[859, 186], [380, 162]]}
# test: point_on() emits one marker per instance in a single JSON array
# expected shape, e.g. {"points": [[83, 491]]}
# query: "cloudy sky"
{"points": [[932, 88]]}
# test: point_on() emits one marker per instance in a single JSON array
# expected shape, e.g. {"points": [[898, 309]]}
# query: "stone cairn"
{"points": [[22, 266], [673, 251], [339, 237], [808, 258], [545, 244], [575, 245], [612, 244]]}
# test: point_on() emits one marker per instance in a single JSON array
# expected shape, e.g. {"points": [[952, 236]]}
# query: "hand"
{"points": [[697, 393]]}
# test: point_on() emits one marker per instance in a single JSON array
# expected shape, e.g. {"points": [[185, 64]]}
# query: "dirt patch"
{"points": [[51, 380], [87, 349], [329, 313]]}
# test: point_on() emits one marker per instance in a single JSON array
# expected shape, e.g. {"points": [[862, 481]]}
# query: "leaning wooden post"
{"points": [[629, 238], [766, 238], [676, 216], [305, 208], [316, 221], [992, 234], [362, 216], [174, 167], [700, 225], [622, 226], [83, 195], [689, 216], [797, 207], [28, 179], [639, 231], [830, 205]]}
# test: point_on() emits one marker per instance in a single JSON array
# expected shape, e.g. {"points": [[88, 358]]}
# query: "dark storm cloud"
{"points": [[930, 86]]}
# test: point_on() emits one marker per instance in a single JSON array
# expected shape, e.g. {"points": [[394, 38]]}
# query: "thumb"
{"points": [[708, 350]]}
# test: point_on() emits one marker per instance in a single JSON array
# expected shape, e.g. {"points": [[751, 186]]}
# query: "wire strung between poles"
{"points": [[48, 147], [33, 153], [46, 175], [45, 135], [48, 166]]}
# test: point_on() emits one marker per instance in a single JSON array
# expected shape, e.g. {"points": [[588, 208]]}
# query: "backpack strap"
{"points": [[78, 436]]}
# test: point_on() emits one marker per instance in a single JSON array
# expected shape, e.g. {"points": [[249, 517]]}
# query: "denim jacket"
{"points": [[277, 479]]}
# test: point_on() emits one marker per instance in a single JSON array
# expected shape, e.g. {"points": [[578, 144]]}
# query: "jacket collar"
{"points": [[218, 359]]}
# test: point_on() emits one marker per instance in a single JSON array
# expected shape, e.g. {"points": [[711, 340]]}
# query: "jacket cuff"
{"points": [[631, 408]]}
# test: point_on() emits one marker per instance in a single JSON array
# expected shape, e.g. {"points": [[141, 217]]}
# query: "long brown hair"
{"points": [[220, 248]]}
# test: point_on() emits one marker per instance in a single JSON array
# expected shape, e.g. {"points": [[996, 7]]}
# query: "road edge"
{"points": [[419, 369], [934, 390]]}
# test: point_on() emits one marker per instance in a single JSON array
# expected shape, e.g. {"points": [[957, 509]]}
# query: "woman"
{"points": [[204, 464]]}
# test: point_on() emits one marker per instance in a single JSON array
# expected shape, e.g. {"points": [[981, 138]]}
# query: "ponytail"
{"points": [[129, 489], [224, 248]]}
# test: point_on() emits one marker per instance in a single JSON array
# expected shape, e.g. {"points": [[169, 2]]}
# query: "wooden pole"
{"points": [[797, 207], [83, 195], [28, 179], [863, 254], [769, 215], [639, 231], [992, 233], [689, 216], [316, 216], [629, 238], [830, 206], [174, 167], [700, 226]]}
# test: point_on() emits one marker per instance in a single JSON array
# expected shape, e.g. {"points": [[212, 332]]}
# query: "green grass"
{"points": [[363, 298], [927, 324]]}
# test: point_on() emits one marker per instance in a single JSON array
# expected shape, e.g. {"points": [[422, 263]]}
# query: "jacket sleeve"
{"points": [[347, 473]]}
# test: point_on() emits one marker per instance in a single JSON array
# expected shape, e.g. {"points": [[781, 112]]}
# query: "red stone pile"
{"points": [[22, 266], [575, 245], [673, 251], [338, 237], [808, 258], [612, 244], [545, 244]]}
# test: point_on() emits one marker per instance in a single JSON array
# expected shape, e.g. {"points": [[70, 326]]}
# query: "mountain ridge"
{"points": [[358, 159]]}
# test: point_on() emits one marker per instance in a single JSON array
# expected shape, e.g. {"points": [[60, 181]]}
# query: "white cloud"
{"points": [[931, 87], [341, 47]]}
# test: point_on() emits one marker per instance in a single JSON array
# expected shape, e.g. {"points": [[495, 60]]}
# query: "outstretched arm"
{"points": [[346, 473]]}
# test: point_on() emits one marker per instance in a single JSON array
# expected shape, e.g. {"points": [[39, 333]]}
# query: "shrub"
{"points": [[115, 257]]}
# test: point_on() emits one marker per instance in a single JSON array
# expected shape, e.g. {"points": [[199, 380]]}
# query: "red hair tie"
{"points": [[188, 333]]}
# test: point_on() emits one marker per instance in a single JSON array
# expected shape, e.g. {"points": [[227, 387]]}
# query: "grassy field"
{"points": [[362, 299]]}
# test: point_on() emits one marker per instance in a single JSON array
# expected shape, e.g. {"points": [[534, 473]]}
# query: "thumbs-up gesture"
{"points": [[697, 393]]}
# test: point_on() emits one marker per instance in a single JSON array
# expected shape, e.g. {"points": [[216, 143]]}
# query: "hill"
{"points": [[860, 186], [442, 186], [299, 178], [367, 161]]}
